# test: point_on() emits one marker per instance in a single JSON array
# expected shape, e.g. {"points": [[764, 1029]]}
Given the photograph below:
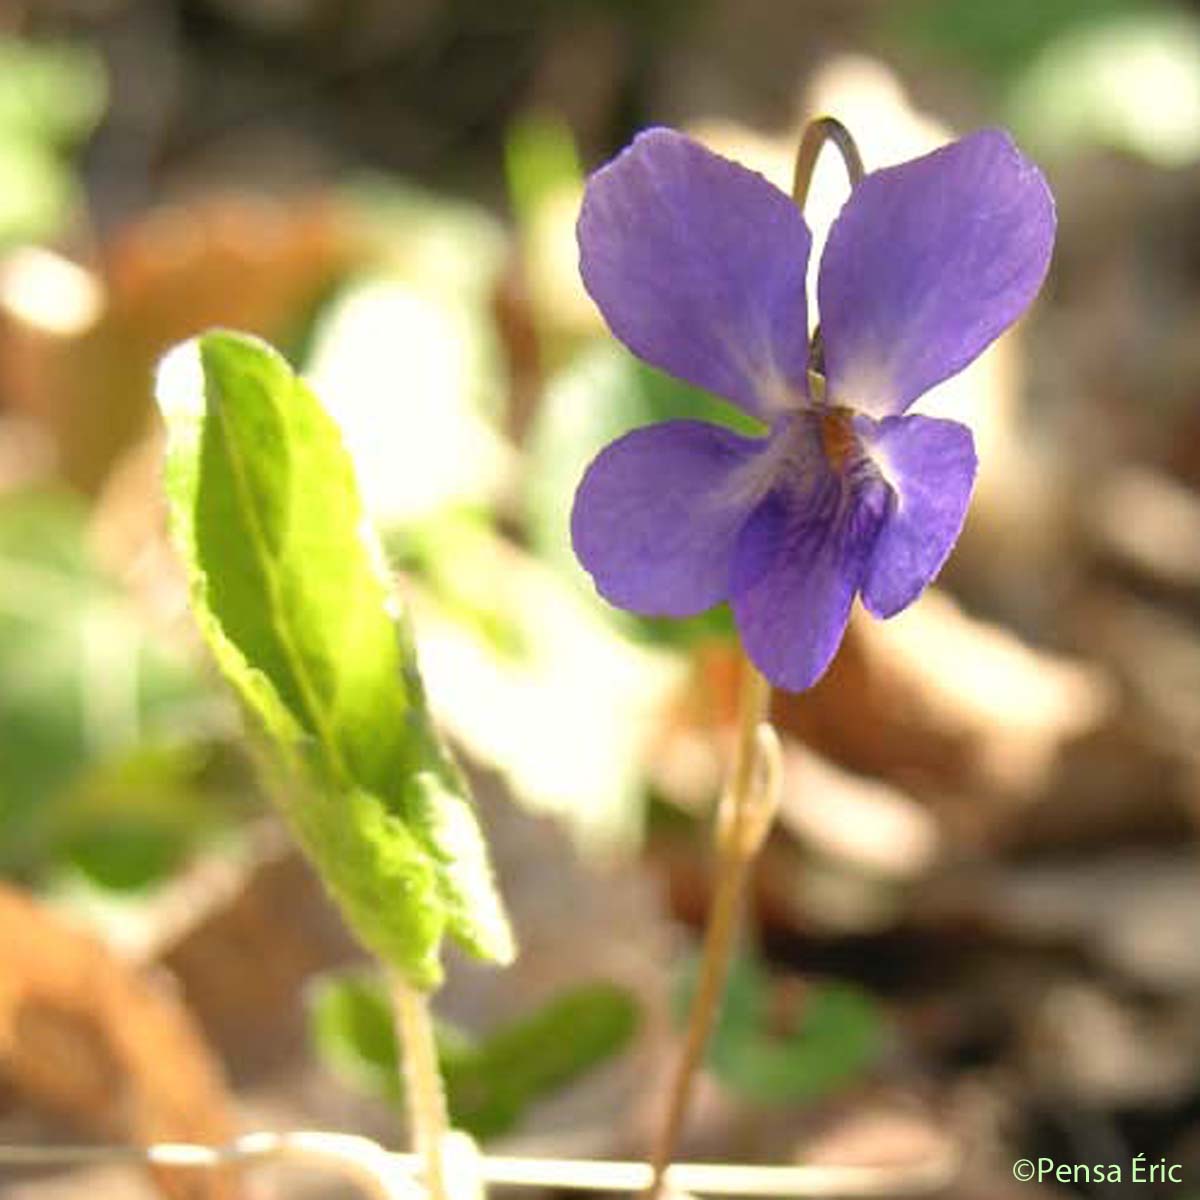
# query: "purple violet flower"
{"points": [[698, 266]]}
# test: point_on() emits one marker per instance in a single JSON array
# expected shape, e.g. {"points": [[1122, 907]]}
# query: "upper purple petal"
{"points": [[657, 515], [930, 465], [800, 559], [698, 266], [927, 263]]}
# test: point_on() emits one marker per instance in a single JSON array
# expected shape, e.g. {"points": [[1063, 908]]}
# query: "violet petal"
{"points": [[931, 466], [799, 561], [657, 515], [698, 266], [927, 263]]}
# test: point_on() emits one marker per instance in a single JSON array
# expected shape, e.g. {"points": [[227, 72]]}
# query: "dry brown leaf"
{"points": [[84, 1035], [938, 698], [248, 937]]}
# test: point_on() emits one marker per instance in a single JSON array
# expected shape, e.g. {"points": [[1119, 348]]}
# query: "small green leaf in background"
{"points": [[540, 160], [1089, 86], [102, 728], [352, 1027], [290, 591], [51, 96], [836, 1035], [130, 823], [1074, 74], [491, 1082], [50, 91], [997, 39]]}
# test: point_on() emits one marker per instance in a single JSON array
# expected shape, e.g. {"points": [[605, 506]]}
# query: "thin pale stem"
{"points": [[743, 819], [384, 1176], [749, 805], [423, 1091], [358, 1160]]}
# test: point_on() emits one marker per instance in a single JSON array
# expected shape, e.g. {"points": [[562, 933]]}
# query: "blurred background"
{"points": [[976, 927]]}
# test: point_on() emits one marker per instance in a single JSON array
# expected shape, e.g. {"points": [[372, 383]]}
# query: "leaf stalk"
{"points": [[424, 1092]]}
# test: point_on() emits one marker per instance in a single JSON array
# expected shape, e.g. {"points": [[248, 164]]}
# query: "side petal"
{"points": [[930, 465], [698, 266], [657, 515], [927, 263], [799, 562]]}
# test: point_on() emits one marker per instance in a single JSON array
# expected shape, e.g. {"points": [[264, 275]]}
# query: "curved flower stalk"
{"points": [[699, 266]]}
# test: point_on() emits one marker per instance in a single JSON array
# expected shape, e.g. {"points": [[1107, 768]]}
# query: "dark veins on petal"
{"points": [[828, 491]]}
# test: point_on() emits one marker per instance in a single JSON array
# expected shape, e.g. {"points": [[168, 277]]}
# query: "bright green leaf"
{"points": [[289, 589]]}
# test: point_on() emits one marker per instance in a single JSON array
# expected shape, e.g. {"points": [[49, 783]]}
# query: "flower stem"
{"points": [[743, 820], [748, 806], [816, 133], [424, 1094]]}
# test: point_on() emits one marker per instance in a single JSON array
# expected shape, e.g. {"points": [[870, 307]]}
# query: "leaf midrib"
{"points": [[296, 662]]}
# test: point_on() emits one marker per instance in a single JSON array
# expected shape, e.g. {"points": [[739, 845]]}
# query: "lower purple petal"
{"points": [[658, 513], [799, 561], [931, 466]]}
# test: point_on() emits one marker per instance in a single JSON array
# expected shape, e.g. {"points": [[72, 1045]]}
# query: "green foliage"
{"points": [[999, 39], [290, 592], [1075, 73], [351, 1025], [50, 96], [95, 767], [539, 159], [50, 92], [129, 824], [438, 245], [835, 1037], [490, 1082], [1090, 85]]}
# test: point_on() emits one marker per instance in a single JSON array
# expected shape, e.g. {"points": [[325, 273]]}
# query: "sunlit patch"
{"points": [[49, 293], [179, 383], [390, 356]]}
